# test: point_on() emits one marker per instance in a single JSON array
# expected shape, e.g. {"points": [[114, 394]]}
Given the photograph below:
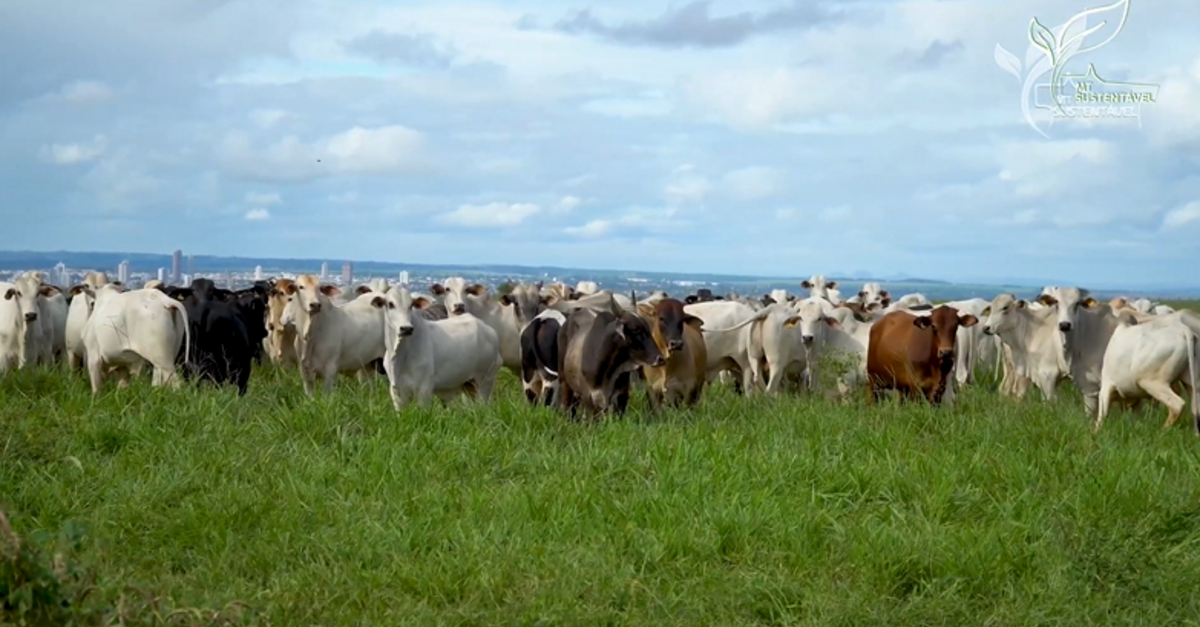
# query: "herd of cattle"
{"points": [[583, 348]]}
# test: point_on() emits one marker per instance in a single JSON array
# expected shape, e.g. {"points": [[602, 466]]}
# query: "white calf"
{"points": [[128, 329], [1144, 359], [425, 358], [331, 338]]}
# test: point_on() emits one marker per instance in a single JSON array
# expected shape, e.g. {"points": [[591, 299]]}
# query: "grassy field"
{"points": [[761, 511]]}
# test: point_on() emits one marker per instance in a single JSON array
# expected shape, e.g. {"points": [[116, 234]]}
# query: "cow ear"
{"points": [[885, 301], [49, 290], [922, 322], [290, 289], [1047, 300], [378, 302], [1021, 304], [362, 289], [833, 323], [791, 322], [76, 289], [421, 302], [476, 290], [1090, 302], [117, 283], [987, 311], [329, 290], [874, 307], [832, 285], [690, 299], [806, 284], [506, 299], [437, 289], [693, 321], [8, 295], [967, 320], [884, 295], [862, 293], [549, 299]]}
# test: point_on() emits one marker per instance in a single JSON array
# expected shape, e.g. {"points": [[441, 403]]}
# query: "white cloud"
{"points": [[755, 98], [753, 183], [1041, 167], [258, 214], [1180, 216], [84, 92], [593, 229], [686, 186], [371, 151], [567, 204], [496, 214], [266, 118], [121, 183], [637, 218], [80, 152], [262, 199]]}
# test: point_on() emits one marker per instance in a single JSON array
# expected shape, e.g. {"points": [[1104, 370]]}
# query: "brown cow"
{"points": [[597, 353], [282, 345], [677, 335], [914, 354]]}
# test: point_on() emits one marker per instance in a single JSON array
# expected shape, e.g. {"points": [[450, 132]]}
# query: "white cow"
{"points": [[773, 342], [129, 329], [424, 358], [818, 287], [1032, 337], [873, 293], [1085, 327], [727, 350], [53, 313], [12, 329], [974, 347], [507, 316], [1145, 359], [332, 339], [780, 296], [599, 301], [908, 302], [78, 312], [832, 336], [586, 288], [26, 291]]}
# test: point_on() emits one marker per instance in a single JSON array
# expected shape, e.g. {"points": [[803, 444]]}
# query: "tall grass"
{"points": [[747, 511]]}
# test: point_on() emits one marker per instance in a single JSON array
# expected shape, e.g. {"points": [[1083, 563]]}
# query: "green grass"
{"points": [[761, 511]]}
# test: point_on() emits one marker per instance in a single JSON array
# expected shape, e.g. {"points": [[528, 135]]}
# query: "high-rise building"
{"points": [[258, 273], [61, 276], [123, 272], [176, 267], [347, 273], [191, 266], [162, 274], [403, 277], [324, 271]]}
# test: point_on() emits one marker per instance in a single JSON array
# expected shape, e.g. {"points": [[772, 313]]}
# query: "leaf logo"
{"points": [[1050, 50]]}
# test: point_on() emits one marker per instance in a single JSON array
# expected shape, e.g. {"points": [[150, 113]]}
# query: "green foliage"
{"points": [[746, 511]]}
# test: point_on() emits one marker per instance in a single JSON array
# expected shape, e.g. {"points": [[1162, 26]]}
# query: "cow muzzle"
{"points": [[459, 309], [1064, 326], [675, 345], [807, 339], [405, 330], [989, 331], [945, 354], [658, 361], [31, 316], [314, 308]]}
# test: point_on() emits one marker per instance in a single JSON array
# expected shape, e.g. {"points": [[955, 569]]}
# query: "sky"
{"points": [[775, 138]]}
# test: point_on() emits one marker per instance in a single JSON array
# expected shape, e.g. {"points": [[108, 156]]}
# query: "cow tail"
{"points": [[182, 318]]}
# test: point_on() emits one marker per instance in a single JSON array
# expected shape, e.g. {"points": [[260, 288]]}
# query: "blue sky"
{"points": [[782, 138]]}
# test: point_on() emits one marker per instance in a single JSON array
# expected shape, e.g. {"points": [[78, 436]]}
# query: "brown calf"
{"points": [[914, 354], [677, 335]]}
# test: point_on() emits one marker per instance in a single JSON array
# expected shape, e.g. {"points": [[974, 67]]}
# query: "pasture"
{"points": [[793, 510]]}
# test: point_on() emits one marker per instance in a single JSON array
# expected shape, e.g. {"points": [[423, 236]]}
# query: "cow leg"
{"points": [[95, 373], [486, 383], [122, 377], [1163, 393], [1105, 398], [399, 397]]}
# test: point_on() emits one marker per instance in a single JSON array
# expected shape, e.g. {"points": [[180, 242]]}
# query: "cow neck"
{"points": [[614, 353], [1090, 338]]}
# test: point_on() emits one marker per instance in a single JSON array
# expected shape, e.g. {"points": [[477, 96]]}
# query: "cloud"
{"points": [[692, 26], [262, 199], [492, 215], [266, 118], [753, 183], [70, 154], [258, 214], [392, 149], [755, 98], [934, 56], [1180, 216], [83, 92], [633, 220], [567, 204], [419, 50], [686, 186]]}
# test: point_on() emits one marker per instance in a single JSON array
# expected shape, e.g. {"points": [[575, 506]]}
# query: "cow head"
{"points": [[812, 315], [453, 295], [397, 306], [1069, 301], [639, 338], [527, 302], [309, 296], [25, 291], [998, 316], [667, 320], [818, 286], [944, 321]]}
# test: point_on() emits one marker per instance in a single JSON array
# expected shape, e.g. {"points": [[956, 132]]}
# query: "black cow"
{"points": [[702, 295], [597, 352], [539, 360], [219, 323]]}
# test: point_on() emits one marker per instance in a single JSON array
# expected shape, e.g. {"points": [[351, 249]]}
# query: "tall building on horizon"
{"points": [[403, 277], [347, 273], [61, 276], [258, 273], [324, 271], [123, 272], [162, 275], [176, 267], [191, 266]]}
